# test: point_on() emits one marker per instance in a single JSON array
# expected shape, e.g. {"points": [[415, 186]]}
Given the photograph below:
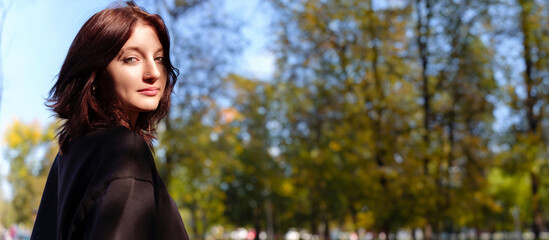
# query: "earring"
{"points": [[93, 89]]}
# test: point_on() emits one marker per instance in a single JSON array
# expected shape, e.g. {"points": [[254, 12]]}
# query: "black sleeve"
{"points": [[124, 210]]}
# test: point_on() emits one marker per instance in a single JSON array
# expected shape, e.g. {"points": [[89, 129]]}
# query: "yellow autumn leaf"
{"points": [[334, 146]]}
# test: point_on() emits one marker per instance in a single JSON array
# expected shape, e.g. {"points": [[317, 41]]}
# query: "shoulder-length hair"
{"points": [[73, 97]]}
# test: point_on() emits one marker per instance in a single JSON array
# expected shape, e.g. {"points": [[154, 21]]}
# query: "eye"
{"points": [[130, 60], [159, 59]]}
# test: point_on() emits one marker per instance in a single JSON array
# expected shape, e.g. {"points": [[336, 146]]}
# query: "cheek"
{"points": [[124, 82]]}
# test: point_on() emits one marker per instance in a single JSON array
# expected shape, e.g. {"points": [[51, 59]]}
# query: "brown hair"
{"points": [[73, 96]]}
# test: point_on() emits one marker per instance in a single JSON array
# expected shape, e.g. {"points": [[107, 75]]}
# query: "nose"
{"points": [[152, 71]]}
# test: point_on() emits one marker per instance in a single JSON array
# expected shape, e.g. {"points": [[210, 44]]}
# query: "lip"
{"points": [[150, 91]]}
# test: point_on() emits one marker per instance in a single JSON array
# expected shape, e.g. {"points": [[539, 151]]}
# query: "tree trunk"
{"points": [[269, 218], [531, 99], [257, 229], [314, 223], [423, 21], [194, 219], [422, 30], [428, 232], [354, 217], [538, 220], [204, 225], [326, 229]]}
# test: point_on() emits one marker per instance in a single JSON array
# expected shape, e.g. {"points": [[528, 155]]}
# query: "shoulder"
{"points": [[126, 153], [105, 138], [119, 152], [113, 137]]}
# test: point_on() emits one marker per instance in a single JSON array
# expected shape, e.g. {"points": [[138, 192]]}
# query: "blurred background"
{"points": [[316, 119]]}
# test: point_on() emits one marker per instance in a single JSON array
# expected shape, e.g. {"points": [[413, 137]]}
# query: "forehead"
{"points": [[143, 35]]}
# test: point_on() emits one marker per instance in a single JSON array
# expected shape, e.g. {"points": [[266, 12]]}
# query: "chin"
{"points": [[148, 108]]}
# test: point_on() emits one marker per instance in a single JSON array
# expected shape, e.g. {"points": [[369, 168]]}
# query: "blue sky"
{"points": [[38, 33], [35, 39]]}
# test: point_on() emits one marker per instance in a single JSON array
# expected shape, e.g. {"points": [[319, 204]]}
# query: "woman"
{"points": [[113, 89]]}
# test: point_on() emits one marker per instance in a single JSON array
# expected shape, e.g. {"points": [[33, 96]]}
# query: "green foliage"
{"points": [[30, 155], [354, 71], [370, 104], [525, 143]]}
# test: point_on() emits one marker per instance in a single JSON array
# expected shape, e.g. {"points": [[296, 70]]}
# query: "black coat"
{"points": [[105, 186]]}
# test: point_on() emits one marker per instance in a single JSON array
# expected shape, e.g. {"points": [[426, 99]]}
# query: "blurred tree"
{"points": [[463, 85], [527, 96], [7, 212], [30, 153], [535, 57], [201, 152], [338, 61], [423, 36], [398, 109], [256, 179], [509, 191]]}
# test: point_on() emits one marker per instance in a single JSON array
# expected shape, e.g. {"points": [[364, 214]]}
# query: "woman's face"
{"points": [[138, 73]]}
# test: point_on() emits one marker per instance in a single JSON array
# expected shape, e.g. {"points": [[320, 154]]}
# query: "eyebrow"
{"points": [[138, 49]]}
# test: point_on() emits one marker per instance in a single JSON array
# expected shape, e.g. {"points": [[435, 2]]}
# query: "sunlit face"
{"points": [[138, 72]]}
